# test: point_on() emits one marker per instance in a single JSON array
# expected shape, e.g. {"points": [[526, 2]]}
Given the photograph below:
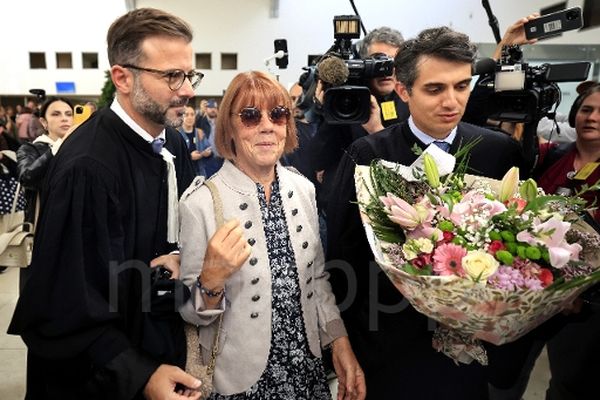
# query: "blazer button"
{"points": [[304, 245], [251, 241], [309, 280], [310, 264], [255, 297], [299, 228], [294, 212], [248, 224], [253, 261], [243, 206], [309, 295], [290, 194], [254, 315], [255, 281]]}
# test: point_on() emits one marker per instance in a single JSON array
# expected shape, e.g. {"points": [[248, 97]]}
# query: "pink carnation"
{"points": [[447, 259]]}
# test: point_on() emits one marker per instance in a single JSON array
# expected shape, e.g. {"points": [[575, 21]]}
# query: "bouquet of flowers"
{"points": [[487, 259]]}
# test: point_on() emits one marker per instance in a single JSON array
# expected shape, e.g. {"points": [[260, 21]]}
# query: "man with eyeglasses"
{"points": [[96, 323]]}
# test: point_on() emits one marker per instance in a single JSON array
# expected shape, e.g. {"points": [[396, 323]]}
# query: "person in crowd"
{"points": [[92, 106], [330, 141], [207, 123], [574, 351], [264, 273], [6, 122], [391, 339], [22, 123], [33, 159], [301, 157], [94, 326], [197, 144]]}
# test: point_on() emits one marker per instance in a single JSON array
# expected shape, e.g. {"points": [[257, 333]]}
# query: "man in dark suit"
{"points": [[393, 341]]}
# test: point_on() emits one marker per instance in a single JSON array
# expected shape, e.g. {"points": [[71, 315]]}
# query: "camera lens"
{"points": [[571, 15], [346, 106]]}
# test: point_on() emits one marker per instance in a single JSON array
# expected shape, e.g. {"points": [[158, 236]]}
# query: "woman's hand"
{"points": [[226, 252], [351, 379]]}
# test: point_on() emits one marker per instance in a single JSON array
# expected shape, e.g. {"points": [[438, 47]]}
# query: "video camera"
{"points": [[524, 93], [345, 76]]}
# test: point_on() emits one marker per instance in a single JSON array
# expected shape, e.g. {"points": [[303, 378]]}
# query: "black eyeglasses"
{"points": [[174, 77], [251, 116]]}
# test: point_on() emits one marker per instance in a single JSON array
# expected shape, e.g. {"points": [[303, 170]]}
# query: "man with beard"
{"points": [[94, 325]]}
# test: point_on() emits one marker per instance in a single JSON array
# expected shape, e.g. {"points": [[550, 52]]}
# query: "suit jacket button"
{"points": [[253, 261], [255, 297], [255, 281], [304, 245], [294, 212], [251, 241], [309, 280], [248, 224], [310, 264], [290, 194], [254, 315], [309, 295], [243, 206], [299, 228]]}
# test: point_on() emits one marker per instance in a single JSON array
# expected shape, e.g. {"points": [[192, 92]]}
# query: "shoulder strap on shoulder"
{"points": [[218, 204]]}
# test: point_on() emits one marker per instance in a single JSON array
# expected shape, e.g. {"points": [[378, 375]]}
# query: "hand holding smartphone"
{"points": [[552, 24], [81, 113]]}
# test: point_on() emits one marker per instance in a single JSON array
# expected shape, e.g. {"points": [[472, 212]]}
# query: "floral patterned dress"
{"points": [[292, 372]]}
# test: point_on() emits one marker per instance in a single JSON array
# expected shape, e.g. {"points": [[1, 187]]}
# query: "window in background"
{"points": [[203, 61], [89, 60], [64, 60], [591, 13], [228, 60], [37, 60]]}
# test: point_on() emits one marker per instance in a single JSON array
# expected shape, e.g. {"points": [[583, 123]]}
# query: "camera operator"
{"points": [[387, 109]]}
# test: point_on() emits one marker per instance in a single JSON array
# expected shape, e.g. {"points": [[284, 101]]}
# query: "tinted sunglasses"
{"points": [[251, 116]]}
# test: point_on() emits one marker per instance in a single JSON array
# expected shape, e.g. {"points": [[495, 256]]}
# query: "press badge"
{"points": [[388, 109], [586, 171]]}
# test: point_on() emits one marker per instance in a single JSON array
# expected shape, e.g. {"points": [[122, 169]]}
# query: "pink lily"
{"points": [[404, 214], [552, 235]]}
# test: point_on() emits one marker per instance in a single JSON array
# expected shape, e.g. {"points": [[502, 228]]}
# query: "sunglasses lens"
{"points": [[279, 115], [250, 116]]}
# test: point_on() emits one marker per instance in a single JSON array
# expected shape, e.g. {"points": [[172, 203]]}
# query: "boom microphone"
{"points": [[333, 71], [484, 66]]}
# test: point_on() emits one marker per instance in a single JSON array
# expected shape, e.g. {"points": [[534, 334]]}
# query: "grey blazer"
{"points": [[245, 338]]}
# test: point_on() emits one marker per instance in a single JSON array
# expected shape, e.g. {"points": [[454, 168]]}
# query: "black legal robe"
{"points": [[394, 347], [104, 208]]}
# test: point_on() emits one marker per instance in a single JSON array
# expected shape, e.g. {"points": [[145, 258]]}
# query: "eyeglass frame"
{"points": [[166, 74], [286, 111]]}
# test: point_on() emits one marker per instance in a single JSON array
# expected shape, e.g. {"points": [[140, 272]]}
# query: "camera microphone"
{"points": [[483, 66], [333, 71]]}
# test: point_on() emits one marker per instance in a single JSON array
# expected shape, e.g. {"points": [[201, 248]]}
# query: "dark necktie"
{"points": [[442, 145], [157, 145]]}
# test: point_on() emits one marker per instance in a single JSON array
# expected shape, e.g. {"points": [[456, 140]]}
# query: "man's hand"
{"points": [[161, 385], [515, 34], [374, 124], [351, 379], [170, 262], [195, 155]]}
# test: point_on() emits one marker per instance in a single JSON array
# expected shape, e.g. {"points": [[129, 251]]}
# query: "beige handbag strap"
{"points": [[218, 206]]}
